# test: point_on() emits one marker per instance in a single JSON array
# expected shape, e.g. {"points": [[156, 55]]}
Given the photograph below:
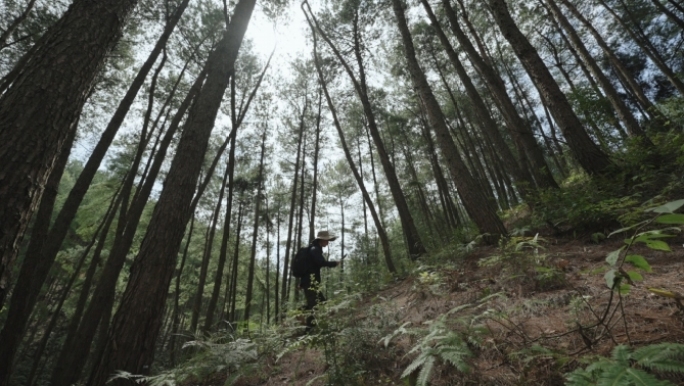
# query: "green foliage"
{"points": [[218, 354], [617, 278], [447, 338], [627, 367]]}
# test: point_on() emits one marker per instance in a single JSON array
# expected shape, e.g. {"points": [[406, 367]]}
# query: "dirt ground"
{"points": [[566, 315]]}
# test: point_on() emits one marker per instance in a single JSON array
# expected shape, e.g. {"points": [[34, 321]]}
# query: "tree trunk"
{"points": [[213, 302], [517, 127], [135, 327], [384, 240], [285, 295], [614, 61], [586, 152], [314, 182], [15, 23], [175, 318], [623, 112], [255, 232], [484, 120], [197, 303], [39, 112], [72, 358], [230, 309], [24, 298]]}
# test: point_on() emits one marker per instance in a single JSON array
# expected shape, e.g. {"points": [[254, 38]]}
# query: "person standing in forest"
{"points": [[310, 282]]}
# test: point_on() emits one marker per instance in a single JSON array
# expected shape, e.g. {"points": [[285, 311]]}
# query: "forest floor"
{"points": [[532, 327]]}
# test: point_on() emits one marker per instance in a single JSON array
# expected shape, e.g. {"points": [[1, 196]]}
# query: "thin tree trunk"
{"points": [[234, 271], [384, 240], [517, 127], [586, 152], [15, 23], [285, 295], [415, 245], [175, 319], [614, 61], [314, 182], [255, 231], [623, 112]]}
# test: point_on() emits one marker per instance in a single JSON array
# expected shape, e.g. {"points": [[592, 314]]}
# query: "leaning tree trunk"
{"points": [[586, 152], [484, 120], [518, 128], [479, 208], [40, 109], [384, 239], [415, 245], [614, 61], [623, 112], [135, 327], [15, 24]]}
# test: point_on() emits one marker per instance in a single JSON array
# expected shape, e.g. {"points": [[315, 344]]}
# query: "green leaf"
{"points": [[671, 218], [635, 276], [638, 261], [658, 245], [610, 277], [667, 208], [624, 289], [613, 257]]}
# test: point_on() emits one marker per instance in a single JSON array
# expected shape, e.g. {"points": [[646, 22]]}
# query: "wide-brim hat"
{"points": [[325, 235]]}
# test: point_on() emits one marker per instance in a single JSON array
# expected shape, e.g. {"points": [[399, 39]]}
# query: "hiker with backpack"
{"points": [[307, 266]]}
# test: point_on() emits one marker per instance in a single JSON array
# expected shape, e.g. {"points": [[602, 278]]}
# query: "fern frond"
{"points": [[621, 355], [614, 376], [414, 365], [666, 357], [579, 377], [425, 372], [642, 378]]}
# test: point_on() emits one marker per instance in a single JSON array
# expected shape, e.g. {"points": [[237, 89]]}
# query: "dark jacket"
{"points": [[316, 262]]}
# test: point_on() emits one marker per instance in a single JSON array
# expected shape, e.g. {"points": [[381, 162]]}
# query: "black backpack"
{"points": [[301, 262]]}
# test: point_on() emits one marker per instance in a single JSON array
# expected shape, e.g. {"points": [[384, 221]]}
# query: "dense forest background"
{"points": [[160, 166]]}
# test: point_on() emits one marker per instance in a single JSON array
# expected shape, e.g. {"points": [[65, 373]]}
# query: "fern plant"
{"points": [[442, 343], [628, 368], [439, 344]]}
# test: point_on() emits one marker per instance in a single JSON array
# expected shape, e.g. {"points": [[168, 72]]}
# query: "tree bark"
{"points": [[590, 157], [136, 324], [24, 299]]}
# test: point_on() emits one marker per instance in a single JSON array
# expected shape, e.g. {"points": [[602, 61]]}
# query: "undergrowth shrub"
{"points": [[520, 260]]}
